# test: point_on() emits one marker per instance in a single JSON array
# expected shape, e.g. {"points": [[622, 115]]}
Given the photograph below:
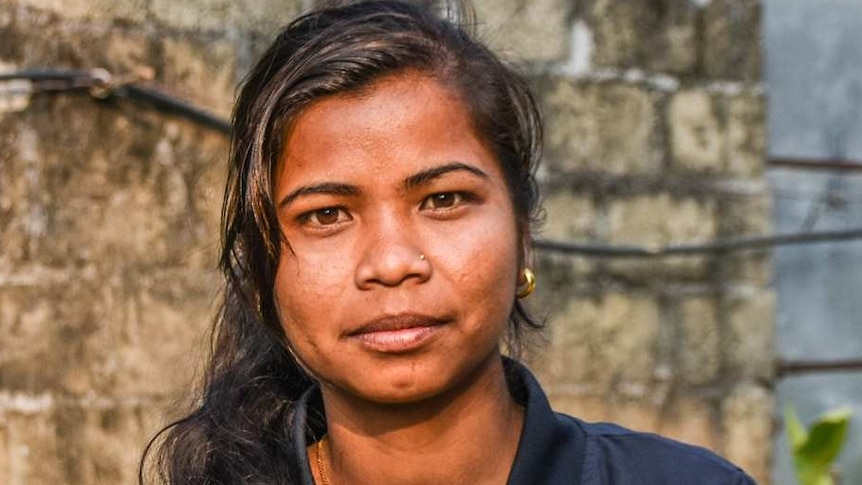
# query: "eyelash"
{"points": [[460, 198], [306, 217]]}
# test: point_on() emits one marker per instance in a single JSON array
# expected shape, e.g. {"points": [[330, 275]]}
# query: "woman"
{"points": [[377, 222]]}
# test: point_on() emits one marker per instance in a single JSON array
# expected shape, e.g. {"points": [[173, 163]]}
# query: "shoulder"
{"points": [[618, 455]]}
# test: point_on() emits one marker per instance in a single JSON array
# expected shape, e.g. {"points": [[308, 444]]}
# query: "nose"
{"points": [[391, 255]]}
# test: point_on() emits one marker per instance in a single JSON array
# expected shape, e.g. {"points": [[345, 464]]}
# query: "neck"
{"points": [[444, 439]]}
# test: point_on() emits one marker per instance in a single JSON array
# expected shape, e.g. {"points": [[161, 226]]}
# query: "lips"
{"points": [[397, 334]]}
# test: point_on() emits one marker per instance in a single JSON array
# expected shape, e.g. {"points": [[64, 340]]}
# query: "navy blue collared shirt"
{"points": [[556, 449]]}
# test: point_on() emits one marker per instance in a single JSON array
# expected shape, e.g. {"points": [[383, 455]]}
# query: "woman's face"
{"points": [[403, 257]]}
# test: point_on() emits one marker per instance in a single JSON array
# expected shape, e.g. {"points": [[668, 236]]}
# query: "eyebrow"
{"points": [[411, 182], [332, 188], [431, 174]]}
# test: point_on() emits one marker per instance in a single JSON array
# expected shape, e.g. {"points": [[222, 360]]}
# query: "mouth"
{"points": [[398, 333]]}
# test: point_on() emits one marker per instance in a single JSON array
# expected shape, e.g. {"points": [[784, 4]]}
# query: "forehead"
{"points": [[420, 92], [398, 120]]}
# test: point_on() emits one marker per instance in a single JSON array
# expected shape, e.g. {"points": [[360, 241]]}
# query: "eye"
{"points": [[328, 216], [443, 200]]}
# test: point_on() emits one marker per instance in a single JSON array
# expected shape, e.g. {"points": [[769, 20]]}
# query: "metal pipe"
{"points": [[816, 366], [720, 246], [812, 164]]}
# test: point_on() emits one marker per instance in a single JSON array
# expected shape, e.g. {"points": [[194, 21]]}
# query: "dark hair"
{"points": [[238, 432]]}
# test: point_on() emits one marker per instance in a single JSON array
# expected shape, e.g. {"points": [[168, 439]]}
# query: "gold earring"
{"points": [[530, 284]]}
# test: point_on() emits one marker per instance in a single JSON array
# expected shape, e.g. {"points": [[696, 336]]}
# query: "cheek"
{"points": [[488, 266], [302, 286]]}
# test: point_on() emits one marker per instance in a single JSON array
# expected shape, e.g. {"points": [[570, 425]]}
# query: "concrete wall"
{"points": [[655, 135]]}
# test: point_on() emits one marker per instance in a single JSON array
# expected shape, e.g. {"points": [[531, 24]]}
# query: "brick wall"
{"points": [[108, 215]]}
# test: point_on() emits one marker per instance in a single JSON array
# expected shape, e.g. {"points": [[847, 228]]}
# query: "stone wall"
{"points": [[108, 215]]}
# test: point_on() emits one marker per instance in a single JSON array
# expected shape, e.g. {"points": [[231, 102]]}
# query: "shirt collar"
{"points": [[551, 448]]}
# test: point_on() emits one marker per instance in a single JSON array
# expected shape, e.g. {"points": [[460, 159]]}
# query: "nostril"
{"points": [[392, 267]]}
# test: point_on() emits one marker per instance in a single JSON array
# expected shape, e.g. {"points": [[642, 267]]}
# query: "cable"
{"points": [[720, 246], [100, 84], [787, 367], [37, 75], [172, 105], [838, 165]]}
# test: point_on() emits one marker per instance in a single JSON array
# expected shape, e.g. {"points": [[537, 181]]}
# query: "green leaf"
{"points": [[813, 476], [825, 438], [814, 450], [796, 433]]}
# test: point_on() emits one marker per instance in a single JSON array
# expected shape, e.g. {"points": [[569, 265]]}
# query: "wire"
{"points": [[37, 75], [100, 84], [720, 246], [837, 165], [172, 105], [786, 367]]}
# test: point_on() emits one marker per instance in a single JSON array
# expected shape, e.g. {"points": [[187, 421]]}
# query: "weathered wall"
{"points": [[655, 119], [655, 122]]}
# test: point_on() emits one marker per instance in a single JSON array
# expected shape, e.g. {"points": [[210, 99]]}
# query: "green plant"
{"points": [[816, 449]]}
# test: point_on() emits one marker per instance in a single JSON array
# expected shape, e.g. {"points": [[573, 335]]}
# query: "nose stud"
{"points": [[421, 257]]}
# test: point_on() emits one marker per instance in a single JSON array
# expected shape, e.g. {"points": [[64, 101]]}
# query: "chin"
{"points": [[403, 383], [412, 381], [400, 396]]}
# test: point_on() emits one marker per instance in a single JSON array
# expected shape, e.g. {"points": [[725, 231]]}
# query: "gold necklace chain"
{"points": [[320, 469]]}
